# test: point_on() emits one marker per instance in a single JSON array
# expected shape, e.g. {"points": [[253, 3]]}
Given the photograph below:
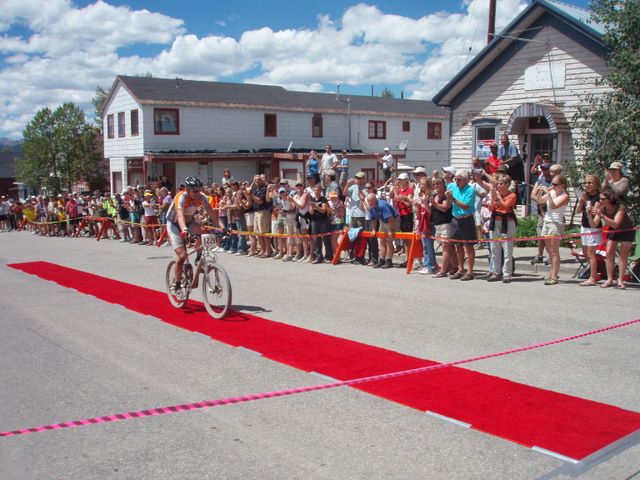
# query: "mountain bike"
{"points": [[216, 287]]}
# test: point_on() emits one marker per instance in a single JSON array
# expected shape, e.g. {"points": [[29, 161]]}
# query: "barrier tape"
{"points": [[391, 235], [242, 233], [293, 391], [527, 239]]}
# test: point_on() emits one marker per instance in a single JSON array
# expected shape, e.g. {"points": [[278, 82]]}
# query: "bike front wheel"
{"points": [[178, 298], [216, 290]]}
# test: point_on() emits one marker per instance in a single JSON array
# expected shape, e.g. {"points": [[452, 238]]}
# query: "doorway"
{"points": [[544, 143]]}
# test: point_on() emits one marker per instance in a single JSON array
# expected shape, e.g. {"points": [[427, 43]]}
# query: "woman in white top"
{"points": [[301, 200], [556, 198]]}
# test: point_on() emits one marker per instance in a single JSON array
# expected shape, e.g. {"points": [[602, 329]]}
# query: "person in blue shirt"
{"points": [[343, 169], [312, 163], [384, 219], [462, 196]]}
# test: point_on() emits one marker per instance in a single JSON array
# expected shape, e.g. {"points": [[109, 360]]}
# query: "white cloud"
{"points": [[71, 50]]}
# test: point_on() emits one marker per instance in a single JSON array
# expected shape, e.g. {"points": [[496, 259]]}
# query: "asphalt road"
{"points": [[67, 356]]}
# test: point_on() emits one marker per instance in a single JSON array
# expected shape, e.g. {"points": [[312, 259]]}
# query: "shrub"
{"points": [[527, 228]]}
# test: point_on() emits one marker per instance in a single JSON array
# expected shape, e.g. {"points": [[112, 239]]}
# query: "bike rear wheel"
{"points": [[177, 299], [216, 290]]}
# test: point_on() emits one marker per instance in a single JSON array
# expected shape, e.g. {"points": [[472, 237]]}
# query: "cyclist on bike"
{"points": [[181, 221]]}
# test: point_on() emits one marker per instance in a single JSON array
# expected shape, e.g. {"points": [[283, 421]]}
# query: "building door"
{"points": [[116, 182], [169, 171]]}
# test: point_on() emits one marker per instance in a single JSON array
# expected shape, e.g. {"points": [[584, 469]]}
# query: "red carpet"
{"points": [[571, 426]]}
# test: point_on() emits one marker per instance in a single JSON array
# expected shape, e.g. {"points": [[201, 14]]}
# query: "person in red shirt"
{"points": [[492, 162], [403, 201], [502, 225], [71, 209]]}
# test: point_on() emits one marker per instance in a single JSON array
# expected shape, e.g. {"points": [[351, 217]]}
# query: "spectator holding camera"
{"points": [[262, 209], [556, 199], [590, 225], [502, 225]]}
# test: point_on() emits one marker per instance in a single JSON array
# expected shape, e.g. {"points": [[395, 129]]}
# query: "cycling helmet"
{"points": [[192, 183]]}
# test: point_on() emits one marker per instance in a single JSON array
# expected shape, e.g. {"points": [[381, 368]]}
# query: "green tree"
{"points": [[98, 100], [610, 123], [387, 93], [59, 149]]}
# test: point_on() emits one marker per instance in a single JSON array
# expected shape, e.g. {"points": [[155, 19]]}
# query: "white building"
{"points": [[175, 128], [527, 82]]}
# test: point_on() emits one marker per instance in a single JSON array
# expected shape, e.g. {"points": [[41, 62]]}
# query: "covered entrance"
{"points": [[541, 128]]}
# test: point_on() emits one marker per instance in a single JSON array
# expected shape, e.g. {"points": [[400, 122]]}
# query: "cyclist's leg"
{"points": [[177, 242], [181, 256]]}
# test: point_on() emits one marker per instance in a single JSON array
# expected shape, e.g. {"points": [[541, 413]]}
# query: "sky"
{"points": [[57, 51]]}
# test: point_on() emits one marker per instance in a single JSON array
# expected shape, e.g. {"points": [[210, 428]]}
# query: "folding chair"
{"points": [[633, 267], [583, 270]]}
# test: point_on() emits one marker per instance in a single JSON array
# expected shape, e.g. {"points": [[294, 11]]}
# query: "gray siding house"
{"points": [[527, 83]]}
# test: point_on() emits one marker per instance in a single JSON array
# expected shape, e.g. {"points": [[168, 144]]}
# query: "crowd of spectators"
{"points": [[469, 206]]}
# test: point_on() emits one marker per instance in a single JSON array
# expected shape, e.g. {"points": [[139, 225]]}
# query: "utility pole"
{"points": [[492, 21]]}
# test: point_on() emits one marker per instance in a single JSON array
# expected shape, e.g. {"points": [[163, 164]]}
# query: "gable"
{"points": [[505, 46]]}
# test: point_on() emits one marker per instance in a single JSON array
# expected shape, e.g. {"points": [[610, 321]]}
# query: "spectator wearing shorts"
{"points": [[150, 216], [462, 197], [441, 218], [301, 199], [384, 219], [556, 200], [590, 226], [262, 208]]}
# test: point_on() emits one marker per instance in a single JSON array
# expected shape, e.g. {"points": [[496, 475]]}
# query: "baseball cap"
{"points": [[615, 166], [386, 149], [148, 193], [360, 175], [545, 166], [449, 169], [282, 190], [403, 176]]}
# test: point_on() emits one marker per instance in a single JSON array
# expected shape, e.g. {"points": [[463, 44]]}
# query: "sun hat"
{"points": [[615, 166]]}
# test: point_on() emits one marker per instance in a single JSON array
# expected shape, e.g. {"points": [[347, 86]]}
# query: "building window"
{"points": [[370, 174], [110, 125], [377, 129], [166, 121], [406, 126], [485, 134], [434, 130], [270, 125], [316, 125], [135, 128], [121, 126], [290, 174]]}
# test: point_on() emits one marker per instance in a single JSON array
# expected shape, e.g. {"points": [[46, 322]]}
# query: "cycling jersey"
{"points": [[188, 205]]}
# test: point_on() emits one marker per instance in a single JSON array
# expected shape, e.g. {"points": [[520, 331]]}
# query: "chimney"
{"points": [[492, 21]]}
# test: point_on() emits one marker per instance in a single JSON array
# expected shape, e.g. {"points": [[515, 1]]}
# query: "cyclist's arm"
{"points": [[180, 219], [210, 213]]}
